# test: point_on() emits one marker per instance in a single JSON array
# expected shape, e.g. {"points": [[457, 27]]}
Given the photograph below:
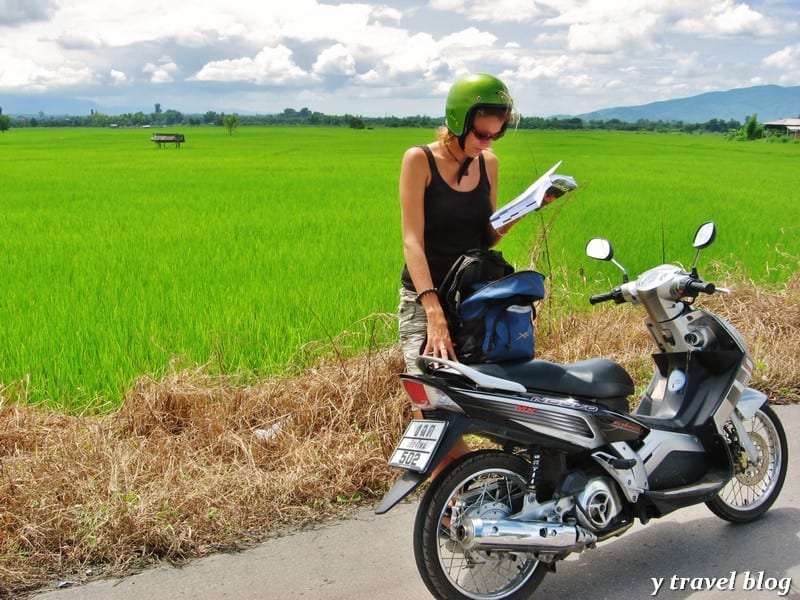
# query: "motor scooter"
{"points": [[568, 465]]}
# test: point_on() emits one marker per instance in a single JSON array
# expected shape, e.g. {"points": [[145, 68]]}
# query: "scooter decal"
{"points": [[566, 403], [676, 381], [637, 429]]}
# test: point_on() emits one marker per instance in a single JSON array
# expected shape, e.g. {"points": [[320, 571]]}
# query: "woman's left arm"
{"points": [[492, 170]]}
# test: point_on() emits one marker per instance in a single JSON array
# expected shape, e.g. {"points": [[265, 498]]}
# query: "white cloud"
{"points": [[544, 67], [448, 5], [271, 66], [27, 75], [786, 64], [335, 60], [786, 58], [73, 40], [494, 11], [603, 27], [162, 72], [557, 55], [118, 77], [20, 11], [725, 18], [387, 13]]}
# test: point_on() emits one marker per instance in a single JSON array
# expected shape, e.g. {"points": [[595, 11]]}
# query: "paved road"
{"points": [[370, 557]]}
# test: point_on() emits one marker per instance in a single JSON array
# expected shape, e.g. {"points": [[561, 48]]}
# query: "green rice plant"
{"points": [[648, 193], [237, 251]]}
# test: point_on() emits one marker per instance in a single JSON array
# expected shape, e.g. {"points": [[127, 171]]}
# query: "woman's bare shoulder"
{"points": [[490, 157], [415, 158], [417, 152]]}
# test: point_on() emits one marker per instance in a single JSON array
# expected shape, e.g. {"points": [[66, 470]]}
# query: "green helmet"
{"points": [[470, 93]]}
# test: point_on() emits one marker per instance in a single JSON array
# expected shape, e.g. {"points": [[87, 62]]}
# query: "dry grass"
{"points": [[181, 469]]}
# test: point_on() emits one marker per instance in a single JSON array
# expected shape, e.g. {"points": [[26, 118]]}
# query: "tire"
{"points": [[754, 487], [485, 484]]}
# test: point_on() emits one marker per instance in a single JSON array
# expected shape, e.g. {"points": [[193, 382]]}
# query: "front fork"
{"points": [[746, 409]]}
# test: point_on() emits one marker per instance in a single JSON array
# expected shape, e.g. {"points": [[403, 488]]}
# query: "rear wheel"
{"points": [[755, 485], [485, 485]]}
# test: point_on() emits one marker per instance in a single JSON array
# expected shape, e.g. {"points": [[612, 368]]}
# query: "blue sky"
{"points": [[390, 58]]}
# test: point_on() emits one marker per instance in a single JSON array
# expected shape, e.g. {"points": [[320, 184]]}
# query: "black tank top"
{"points": [[454, 221]]}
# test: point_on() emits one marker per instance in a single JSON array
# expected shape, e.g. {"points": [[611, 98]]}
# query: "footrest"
{"points": [[710, 484]]}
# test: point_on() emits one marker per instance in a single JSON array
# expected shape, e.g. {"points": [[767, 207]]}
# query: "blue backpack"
{"points": [[489, 308], [497, 320]]}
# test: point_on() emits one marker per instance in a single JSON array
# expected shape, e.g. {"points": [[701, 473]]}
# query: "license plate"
{"points": [[415, 450]]}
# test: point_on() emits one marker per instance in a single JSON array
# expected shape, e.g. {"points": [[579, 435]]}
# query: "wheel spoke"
{"points": [[755, 485], [481, 574]]}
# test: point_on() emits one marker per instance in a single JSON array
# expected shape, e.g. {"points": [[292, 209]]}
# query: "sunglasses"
{"points": [[485, 137]]}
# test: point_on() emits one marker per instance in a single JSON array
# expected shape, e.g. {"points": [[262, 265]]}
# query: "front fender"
{"points": [[750, 402]]}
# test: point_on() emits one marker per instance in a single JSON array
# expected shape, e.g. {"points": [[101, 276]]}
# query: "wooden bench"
{"points": [[168, 138]]}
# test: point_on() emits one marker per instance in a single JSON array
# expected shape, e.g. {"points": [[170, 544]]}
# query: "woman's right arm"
{"points": [[414, 178]]}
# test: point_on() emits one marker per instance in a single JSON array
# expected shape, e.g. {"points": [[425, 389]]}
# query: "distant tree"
{"points": [[752, 129], [138, 119], [98, 119], [173, 117], [5, 123], [231, 122], [355, 122], [157, 116], [211, 118]]}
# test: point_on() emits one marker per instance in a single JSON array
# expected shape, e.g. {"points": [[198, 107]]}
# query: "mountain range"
{"points": [[32, 105], [769, 102]]}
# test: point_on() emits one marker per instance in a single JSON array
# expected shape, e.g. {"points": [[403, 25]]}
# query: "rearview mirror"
{"points": [[599, 249], [705, 235]]}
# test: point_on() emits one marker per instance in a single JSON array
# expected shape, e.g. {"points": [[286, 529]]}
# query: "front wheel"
{"points": [[485, 485], [755, 486]]}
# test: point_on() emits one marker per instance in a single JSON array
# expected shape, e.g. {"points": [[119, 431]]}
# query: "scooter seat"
{"points": [[595, 378]]}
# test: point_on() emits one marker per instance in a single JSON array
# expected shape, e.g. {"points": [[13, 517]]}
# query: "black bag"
{"points": [[489, 307], [469, 272]]}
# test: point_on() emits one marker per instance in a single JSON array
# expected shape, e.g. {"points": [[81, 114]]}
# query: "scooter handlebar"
{"points": [[615, 295], [688, 287], [694, 287]]}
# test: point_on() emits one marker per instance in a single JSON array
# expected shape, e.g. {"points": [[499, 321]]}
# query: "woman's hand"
{"points": [[439, 343]]}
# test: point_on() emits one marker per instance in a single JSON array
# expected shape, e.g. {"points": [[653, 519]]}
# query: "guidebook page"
{"points": [[531, 199]]}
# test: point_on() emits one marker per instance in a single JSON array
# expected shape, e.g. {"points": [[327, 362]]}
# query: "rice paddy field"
{"points": [[239, 252]]}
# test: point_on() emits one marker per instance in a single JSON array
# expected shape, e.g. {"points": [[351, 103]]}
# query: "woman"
{"points": [[448, 191]]}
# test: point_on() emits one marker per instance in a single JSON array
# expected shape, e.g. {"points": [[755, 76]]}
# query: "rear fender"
{"points": [[409, 481]]}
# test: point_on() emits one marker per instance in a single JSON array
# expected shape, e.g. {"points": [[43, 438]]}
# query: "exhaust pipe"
{"points": [[530, 536]]}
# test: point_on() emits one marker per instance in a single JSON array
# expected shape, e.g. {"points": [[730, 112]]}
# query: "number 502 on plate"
{"points": [[419, 442]]}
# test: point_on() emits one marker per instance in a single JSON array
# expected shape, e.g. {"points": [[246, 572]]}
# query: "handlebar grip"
{"points": [[605, 297], [700, 286]]}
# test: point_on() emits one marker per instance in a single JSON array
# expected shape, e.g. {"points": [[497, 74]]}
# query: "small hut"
{"points": [[168, 138]]}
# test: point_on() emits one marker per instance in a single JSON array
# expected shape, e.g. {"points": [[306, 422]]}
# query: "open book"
{"points": [[531, 199]]}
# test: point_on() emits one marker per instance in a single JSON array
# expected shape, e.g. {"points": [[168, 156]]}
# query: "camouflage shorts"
{"points": [[413, 326]]}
